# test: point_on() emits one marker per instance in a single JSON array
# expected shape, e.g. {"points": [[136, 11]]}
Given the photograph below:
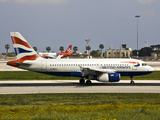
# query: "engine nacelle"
{"points": [[109, 77]]}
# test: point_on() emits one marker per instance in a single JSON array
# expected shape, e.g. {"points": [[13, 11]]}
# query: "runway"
{"points": [[73, 86]]}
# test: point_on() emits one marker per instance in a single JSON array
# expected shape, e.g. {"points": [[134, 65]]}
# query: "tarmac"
{"points": [[73, 86]]}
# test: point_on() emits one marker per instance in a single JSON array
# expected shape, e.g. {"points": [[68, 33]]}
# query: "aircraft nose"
{"points": [[151, 69]]}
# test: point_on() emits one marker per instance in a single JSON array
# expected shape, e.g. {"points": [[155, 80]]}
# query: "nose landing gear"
{"points": [[132, 82]]}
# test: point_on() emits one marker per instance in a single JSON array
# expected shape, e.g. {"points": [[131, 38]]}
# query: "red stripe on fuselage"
{"points": [[130, 62], [16, 40]]}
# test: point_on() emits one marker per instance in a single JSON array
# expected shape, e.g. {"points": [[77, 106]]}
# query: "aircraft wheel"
{"points": [[88, 82], [82, 81], [132, 82]]}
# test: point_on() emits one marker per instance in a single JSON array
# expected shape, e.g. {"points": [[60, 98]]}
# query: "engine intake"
{"points": [[109, 77]]}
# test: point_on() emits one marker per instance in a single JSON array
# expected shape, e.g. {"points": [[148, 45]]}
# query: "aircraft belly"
{"points": [[74, 74], [134, 73]]}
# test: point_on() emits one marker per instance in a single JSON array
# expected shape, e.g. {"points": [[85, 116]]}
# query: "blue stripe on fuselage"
{"points": [[79, 74], [75, 74], [137, 65]]}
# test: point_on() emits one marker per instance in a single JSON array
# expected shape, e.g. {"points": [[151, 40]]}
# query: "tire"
{"points": [[88, 82], [81, 81]]}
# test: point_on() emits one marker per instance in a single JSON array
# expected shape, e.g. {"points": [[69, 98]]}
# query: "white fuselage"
{"points": [[50, 55], [71, 67]]}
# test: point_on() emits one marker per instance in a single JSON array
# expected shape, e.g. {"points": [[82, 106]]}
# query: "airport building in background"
{"points": [[123, 52], [155, 55]]}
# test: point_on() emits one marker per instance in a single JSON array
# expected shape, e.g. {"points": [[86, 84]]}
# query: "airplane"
{"points": [[55, 55], [102, 70]]}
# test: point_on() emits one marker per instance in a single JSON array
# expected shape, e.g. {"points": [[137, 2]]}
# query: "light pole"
{"points": [[137, 16], [87, 40]]}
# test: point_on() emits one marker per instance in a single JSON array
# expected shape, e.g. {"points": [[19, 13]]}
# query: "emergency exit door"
{"points": [[44, 65]]}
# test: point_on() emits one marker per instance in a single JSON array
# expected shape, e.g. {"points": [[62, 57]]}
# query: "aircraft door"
{"points": [[44, 65]]}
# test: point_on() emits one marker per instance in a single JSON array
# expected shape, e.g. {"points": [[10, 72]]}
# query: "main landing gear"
{"points": [[82, 81], [132, 82], [88, 82]]}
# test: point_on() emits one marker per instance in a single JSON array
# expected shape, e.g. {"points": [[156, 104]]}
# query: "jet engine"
{"points": [[109, 77]]}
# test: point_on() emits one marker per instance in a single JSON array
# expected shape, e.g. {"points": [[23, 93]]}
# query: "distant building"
{"points": [[123, 52], [155, 55], [156, 51]]}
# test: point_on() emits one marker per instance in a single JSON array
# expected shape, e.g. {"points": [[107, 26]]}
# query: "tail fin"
{"points": [[22, 48], [69, 49]]}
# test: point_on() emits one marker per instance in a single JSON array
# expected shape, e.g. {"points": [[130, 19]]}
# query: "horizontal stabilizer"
{"points": [[19, 63]]}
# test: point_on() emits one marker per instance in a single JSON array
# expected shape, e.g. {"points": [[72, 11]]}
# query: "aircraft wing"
{"points": [[95, 71]]}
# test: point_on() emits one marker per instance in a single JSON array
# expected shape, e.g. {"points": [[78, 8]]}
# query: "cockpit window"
{"points": [[144, 64]]}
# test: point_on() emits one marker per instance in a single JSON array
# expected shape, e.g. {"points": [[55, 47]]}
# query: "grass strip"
{"points": [[29, 75], [88, 106]]}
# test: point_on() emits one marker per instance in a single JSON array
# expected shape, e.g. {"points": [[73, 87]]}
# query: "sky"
{"points": [[58, 23]]}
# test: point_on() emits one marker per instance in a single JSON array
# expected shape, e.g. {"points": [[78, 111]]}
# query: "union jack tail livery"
{"points": [[22, 48], [24, 52]]}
